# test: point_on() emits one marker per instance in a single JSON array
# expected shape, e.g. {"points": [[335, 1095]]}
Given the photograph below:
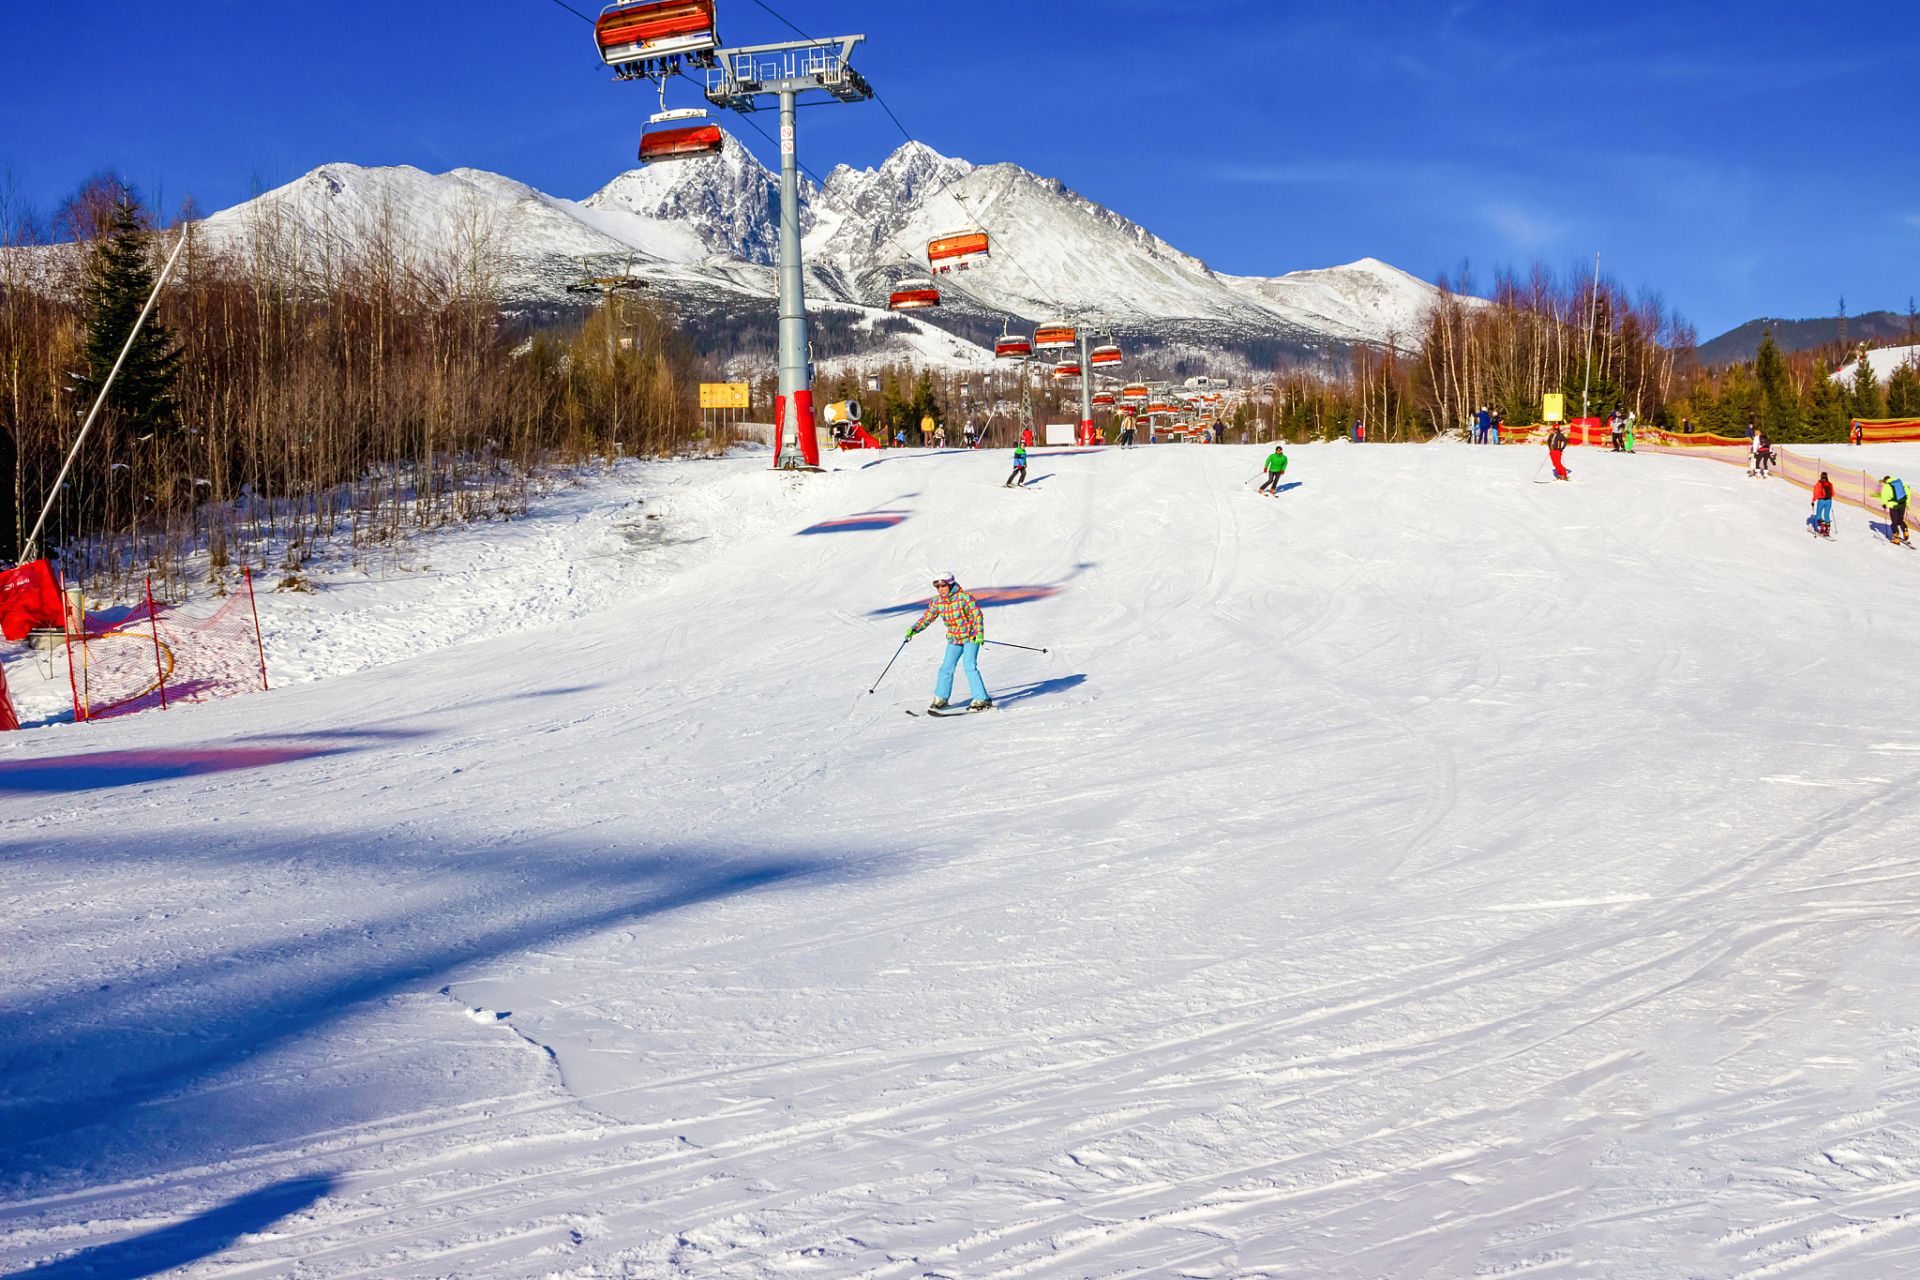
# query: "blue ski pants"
{"points": [[968, 656], [1823, 510]]}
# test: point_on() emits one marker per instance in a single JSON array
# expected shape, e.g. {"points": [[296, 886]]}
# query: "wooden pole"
{"points": [[248, 574]]}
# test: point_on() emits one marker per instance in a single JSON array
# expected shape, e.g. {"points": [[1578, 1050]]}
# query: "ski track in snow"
{"points": [[1423, 873]]}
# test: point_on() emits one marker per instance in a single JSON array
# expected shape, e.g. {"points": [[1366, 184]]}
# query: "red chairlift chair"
{"points": [[911, 295], [1013, 346], [1055, 337], [957, 249], [681, 139], [654, 29]]}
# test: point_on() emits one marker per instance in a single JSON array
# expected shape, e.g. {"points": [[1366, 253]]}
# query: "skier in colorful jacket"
{"points": [[1276, 467], [965, 633], [1823, 506]]}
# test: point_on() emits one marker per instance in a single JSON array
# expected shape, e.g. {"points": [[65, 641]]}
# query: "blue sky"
{"points": [[1726, 156]]}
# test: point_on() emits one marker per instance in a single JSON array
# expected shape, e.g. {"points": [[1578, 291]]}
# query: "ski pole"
{"points": [[890, 661], [1029, 648]]}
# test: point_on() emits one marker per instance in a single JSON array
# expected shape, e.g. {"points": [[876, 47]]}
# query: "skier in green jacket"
{"points": [[1276, 467], [1893, 496]]}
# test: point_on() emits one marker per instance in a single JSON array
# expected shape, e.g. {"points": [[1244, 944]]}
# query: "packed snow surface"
{"points": [[1425, 872]]}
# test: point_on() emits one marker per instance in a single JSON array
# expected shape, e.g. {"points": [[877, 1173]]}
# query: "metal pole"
{"points": [[34, 537], [159, 670], [1593, 312], [796, 395], [1086, 392]]}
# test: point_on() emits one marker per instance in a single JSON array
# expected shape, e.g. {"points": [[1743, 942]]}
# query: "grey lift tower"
{"points": [[789, 74], [656, 40]]}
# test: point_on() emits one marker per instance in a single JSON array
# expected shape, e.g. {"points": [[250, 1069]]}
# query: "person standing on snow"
{"points": [[1893, 496], [1823, 506], [965, 633], [1856, 433], [1761, 449], [1556, 444], [1482, 424], [1026, 437], [1276, 467], [1019, 467], [1629, 433]]}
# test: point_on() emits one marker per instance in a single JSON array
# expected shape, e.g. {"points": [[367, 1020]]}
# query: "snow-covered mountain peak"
{"points": [[706, 231], [730, 202]]}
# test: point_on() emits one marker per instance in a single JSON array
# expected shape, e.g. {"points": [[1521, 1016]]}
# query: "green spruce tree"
{"points": [[1601, 397], [925, 406], [119, 281], [1779, 403], [1903, 392], [1826, 409], [1864, 399]]}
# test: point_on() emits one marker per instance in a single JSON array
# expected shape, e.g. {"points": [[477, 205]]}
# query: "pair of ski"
{"points": [[948, 715]]}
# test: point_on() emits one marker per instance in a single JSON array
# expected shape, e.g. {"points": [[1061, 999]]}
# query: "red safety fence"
{"points": [[157, 655]]}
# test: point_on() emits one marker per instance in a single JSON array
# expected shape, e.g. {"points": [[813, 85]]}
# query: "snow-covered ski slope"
{"points": [[1424, 873]]}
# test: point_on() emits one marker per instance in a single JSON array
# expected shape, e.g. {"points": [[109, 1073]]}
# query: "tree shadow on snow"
{"points": [[184, 1242], [112, 1079], [98, 769]]}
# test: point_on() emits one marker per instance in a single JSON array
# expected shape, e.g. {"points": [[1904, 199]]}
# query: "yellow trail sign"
{"points": [[1553, 407], [723, 395]]}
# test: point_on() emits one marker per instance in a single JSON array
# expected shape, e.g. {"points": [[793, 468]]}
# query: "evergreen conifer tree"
{"points": [[924, 405], [1903, 392], [119, 281], [1602, 397], [1864, 400], [1779, 404], [1826, 409]]}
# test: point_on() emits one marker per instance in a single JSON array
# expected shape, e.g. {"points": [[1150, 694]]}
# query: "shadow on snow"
{"points": [[198, 1237]]}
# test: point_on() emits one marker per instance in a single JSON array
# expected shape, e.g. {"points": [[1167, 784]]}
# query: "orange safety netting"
{"points": [[118, 667], [1856, 488], [1888, 430]]}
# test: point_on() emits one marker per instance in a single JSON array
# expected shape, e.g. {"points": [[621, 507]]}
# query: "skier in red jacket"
{"points": [[1823, 506]]}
